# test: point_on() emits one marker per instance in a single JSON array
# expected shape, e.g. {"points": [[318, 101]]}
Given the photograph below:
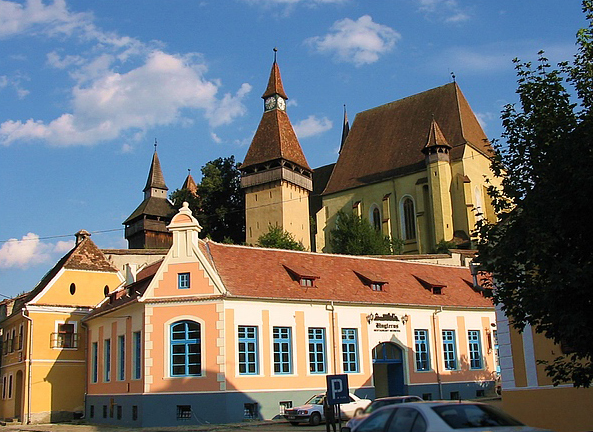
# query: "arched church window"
{"points": [[376, 218], [408, 219]]}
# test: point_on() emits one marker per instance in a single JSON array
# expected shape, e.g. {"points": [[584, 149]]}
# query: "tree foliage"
{"points": [[219, 204], [278, 238], [354, 235], [539, 251]]}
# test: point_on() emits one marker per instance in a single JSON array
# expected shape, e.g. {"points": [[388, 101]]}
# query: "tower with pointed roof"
{"points": [[275, 176], [146, 227]]}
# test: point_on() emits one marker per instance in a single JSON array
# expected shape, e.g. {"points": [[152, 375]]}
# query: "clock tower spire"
{"points": [[275, 174]]}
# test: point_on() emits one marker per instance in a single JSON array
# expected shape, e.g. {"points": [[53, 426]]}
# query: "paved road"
{"points": [[268, 426]]}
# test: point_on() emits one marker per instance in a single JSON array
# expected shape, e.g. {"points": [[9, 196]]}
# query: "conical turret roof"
{"points": [[155, 175], [275, 83]]}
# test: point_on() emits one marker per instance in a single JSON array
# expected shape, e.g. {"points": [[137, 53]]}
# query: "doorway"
{"points": [[18, 395], [388, 370]]}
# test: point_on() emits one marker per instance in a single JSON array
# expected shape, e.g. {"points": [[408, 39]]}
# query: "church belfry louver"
{"points": [[275, 176]]}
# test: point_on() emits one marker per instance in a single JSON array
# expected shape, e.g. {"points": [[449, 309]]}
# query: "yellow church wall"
{"points": [[295, 215], [89, 288], [476, 167], [370, 196], [262, 209], [439, 174]]}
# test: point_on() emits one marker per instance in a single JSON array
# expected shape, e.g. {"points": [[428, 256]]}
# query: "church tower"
{"points": [[146, 227], [438, 165], [275, 176]]}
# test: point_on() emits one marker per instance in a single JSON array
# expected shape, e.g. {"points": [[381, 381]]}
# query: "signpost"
{"points": [[337, 393]]}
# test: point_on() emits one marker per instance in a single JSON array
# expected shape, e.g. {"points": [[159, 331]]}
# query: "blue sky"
{"points": [[86, 88]]}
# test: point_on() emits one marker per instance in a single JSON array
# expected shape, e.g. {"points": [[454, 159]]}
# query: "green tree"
{"points": [[539, 251], [354, 235], [277, 238], [219, 205]]}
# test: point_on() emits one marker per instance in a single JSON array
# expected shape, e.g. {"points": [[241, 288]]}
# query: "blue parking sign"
{"points": [[337, 389]]}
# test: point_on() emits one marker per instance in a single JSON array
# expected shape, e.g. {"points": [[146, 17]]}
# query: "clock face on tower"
{"points": [[270, 103], [281, 104]]}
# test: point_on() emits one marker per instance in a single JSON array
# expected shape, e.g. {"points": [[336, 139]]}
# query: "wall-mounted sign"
{"points": [[386, 322]]}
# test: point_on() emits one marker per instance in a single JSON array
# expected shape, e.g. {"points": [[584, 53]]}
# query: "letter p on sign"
{"points": [[337, 389]]}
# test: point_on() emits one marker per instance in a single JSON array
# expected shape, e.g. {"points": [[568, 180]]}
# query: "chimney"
{"points": [[82, 235], [131, 271]]}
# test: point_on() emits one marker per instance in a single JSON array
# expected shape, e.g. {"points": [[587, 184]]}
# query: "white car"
{"points": [[379, 403], [312, 411], [442, 416]]}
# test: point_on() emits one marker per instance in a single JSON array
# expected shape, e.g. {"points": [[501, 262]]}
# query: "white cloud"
{"points": [[24, 253], [312, 126], [36, 17], [445, 10], [224, 111], [215, 138], [360, 42], [64, 246], [111, 99], [484, 118]]}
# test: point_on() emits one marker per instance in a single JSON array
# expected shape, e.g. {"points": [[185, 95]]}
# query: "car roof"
{"points": [[397, 397]]}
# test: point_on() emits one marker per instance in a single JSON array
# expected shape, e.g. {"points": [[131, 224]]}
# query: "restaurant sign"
{"points": [[387, 322]]}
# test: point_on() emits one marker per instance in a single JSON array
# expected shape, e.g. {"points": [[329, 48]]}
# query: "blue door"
{"points": [[390, 356]]}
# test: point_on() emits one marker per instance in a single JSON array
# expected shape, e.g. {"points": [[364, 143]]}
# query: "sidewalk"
{"points": [[74, 427]]}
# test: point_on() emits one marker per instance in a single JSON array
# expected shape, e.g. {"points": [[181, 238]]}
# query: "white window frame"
{"points": [[167, 346]]}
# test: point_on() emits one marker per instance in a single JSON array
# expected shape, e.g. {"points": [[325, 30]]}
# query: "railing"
{"points": [[64, 340]]}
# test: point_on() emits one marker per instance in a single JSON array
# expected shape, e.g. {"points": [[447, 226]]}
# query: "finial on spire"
{"points": [[275, 53], [155, 144], [453, 76]]}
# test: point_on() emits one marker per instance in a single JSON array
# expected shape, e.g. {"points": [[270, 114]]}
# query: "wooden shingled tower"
{"points": [[146, 227], [275, 176]]}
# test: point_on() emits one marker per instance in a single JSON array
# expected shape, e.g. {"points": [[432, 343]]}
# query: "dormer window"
{"points": [[307, 282], [374, 281], [305, 277], [432, 285], [377, 286]]}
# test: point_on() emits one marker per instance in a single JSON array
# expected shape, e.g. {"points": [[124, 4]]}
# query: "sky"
{"points": [[87, 87]]}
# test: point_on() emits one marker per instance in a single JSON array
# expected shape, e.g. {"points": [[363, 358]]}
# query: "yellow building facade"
{"points": [[43, 352], [528, 393], [417, 169]]}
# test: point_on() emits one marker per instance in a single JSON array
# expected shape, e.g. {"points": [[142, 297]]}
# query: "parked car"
{"points": [[379, 403], [312, 410], [442, 416]]}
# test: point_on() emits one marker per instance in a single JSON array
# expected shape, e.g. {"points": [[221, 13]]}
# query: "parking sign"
{"points": [[337, 389]]}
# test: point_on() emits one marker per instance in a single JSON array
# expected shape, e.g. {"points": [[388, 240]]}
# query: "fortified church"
{"points": [[180, 330]]}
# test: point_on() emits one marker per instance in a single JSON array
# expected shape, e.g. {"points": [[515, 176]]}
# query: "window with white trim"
{"points": [[475, 349], [107, 360], [449, 351], [248, 350], [317, 360], [350, 350], [282, 350], [137, 364], [422, 350], [186, 355], [121, 357]]}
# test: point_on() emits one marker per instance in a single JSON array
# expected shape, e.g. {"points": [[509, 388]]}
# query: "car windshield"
{"points": [[316, 400], [463, 416], [375, 405]]}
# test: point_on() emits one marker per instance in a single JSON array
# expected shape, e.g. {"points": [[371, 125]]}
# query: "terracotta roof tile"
{"points": [[153, 206], [275, 140], [387, 141], [275, 83], [266, 277], [155, 175]]}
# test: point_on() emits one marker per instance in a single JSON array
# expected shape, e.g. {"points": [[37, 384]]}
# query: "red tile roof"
{"points": [[261, 273], [274, 140], [387, 141]]}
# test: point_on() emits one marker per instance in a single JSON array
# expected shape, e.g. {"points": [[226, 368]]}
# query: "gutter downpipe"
{"points": [[334, 337], [436, 347], [29, 361]]}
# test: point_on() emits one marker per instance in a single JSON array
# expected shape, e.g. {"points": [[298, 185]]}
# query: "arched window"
{"points": [[186, 353], [408, 219], [479, 211], [376, 217]]}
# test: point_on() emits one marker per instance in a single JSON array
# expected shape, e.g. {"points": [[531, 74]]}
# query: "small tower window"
{"points": [[106, 290], [72, 288]]}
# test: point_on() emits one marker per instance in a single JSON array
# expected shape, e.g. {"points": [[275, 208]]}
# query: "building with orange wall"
{"points": [[220, 333]]}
